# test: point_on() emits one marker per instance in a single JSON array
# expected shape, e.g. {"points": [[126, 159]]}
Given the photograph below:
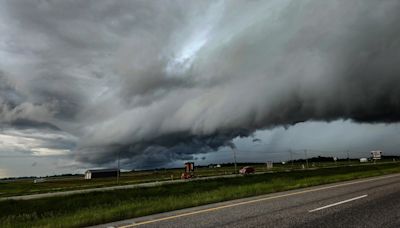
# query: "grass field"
{"points": [[55, 184], [102, 207]]}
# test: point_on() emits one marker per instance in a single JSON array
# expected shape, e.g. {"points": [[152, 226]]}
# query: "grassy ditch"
{"points": [[102, 207], [67, 183], [57, 184]]}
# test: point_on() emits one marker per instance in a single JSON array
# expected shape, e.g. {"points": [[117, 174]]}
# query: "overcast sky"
{"points": [[162, 82]]}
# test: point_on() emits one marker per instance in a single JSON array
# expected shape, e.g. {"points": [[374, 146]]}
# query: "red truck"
{"points": [[247, 170]]}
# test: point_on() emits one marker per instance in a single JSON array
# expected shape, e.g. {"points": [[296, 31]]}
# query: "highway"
{"points": [[371, 202]]}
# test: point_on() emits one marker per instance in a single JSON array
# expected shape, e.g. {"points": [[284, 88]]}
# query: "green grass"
{"points": [[102, 207], [56, 184]]}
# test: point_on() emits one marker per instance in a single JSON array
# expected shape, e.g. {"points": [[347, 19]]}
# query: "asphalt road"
{"points": [[372, 202]]}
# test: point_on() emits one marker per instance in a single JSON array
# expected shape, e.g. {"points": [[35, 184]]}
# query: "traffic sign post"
{"points": [[270, 165], [376, 155]]}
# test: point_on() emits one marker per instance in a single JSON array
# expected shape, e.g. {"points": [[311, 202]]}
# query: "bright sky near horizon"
{"points": [[164, 82]]}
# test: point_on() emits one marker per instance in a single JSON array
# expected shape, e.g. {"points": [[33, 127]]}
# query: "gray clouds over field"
{"points": [[160, 81]]}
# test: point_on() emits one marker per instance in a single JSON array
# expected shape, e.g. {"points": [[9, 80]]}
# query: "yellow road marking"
{"points": [[253, 201]]}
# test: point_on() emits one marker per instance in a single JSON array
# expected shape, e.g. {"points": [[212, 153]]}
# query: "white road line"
{"points": [[315, 189], [258, 200], [338, 203]]}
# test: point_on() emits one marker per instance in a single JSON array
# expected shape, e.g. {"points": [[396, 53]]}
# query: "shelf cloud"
{"points": [[162, 81]]}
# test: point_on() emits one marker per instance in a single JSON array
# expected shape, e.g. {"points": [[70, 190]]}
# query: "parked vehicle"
{"points": [[247, 170]]}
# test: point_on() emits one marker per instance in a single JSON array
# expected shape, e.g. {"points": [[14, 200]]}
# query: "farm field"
{"points": [[77, 182], [102, 207]]}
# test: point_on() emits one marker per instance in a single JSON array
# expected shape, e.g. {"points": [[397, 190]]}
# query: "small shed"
{"points": [[101, 173]]}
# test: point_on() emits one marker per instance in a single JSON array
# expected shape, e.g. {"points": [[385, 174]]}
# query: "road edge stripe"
{"points": [[255, 201]]}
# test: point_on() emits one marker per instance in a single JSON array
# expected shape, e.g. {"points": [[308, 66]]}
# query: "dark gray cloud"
{"points": [[162, 81]]}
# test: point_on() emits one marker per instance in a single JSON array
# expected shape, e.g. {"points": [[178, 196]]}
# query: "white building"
{"points": [[101, 173]]}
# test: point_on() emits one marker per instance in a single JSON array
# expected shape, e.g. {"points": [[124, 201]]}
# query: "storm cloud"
{"points": [[162, 81]]}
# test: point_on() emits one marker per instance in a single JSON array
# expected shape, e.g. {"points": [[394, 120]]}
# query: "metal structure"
{"points": [[376, 154], [189, 171], [270, 164]]}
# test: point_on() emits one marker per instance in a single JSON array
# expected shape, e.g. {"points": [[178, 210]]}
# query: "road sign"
{"points": [[270, 164], [376, 154]]}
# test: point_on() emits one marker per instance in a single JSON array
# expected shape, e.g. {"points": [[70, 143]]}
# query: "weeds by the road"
{"points": [[77, 182], [102, 207]]}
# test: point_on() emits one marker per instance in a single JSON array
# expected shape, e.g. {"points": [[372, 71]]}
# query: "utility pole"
{"points": [[348, 157], [118, 171], [291, 157], [234, 157], [305, 155]]}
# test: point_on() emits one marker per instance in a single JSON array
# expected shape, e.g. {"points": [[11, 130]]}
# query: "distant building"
{"points": [[101, 173], [214, 166], [39, 180]]}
